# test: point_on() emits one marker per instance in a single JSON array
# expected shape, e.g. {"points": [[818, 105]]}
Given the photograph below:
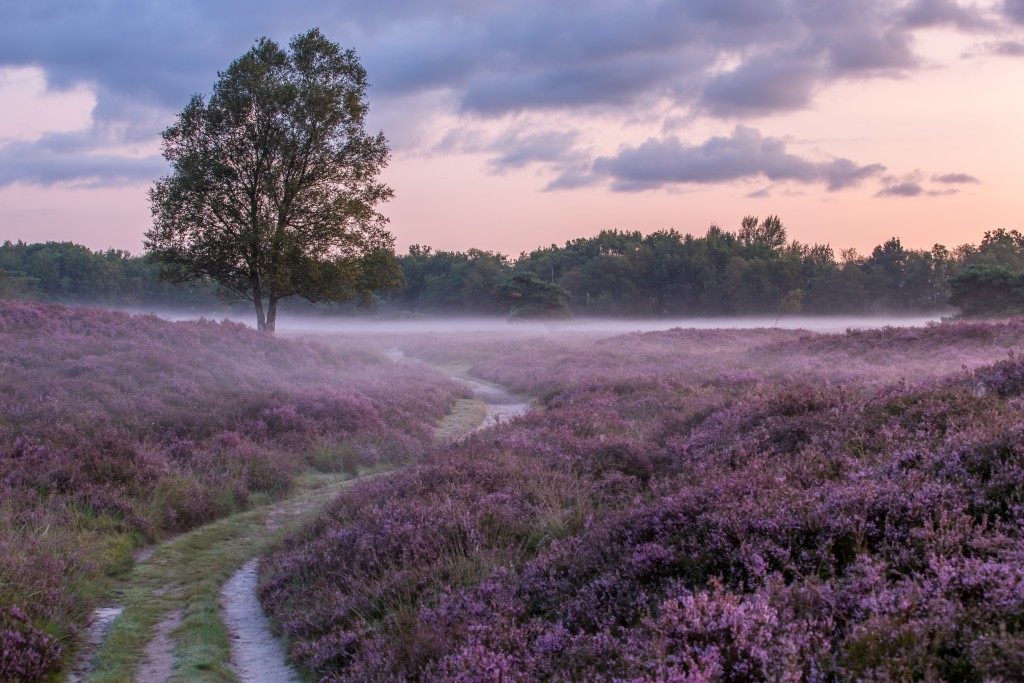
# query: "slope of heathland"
{"points": [[117, 430], [689, 505]]}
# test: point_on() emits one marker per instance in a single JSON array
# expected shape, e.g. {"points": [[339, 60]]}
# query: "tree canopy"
{"points": [[532, 297], [274, 182]]}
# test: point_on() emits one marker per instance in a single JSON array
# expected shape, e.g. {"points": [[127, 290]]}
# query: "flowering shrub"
{"points": [[117, 429], [698, 506], [28, 653]]}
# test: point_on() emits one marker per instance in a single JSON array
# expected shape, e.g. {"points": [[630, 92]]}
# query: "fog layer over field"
{"points": [[438, 325]]}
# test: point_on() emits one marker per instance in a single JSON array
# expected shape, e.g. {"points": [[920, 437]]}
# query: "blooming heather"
{"points": [[690, 506], [116, 430]]}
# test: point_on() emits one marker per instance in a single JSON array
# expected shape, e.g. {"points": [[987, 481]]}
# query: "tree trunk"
{"points": [[271, 324], [257, 299], [261, 317]]}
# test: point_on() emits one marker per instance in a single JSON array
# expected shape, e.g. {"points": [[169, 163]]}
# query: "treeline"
{"points": [[66, 272], [756, 270]]}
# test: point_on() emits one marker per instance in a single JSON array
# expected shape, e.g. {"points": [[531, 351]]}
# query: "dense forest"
{"points": [[756, 270], [64, 272]]}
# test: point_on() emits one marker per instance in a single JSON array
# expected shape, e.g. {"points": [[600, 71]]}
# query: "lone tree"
{"points": [[274, 182]]}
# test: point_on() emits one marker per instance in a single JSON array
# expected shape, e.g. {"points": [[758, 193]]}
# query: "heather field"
{"points": [[688, 506], [119, 431]]}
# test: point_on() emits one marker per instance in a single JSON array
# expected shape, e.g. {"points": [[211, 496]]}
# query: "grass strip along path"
{"points": [[173, 597]]}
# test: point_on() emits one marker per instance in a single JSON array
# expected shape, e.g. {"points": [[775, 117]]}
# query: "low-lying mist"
{"points": [[611, 326]]}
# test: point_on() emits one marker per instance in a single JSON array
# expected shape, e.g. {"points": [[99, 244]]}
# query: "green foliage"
{"points": [[531, 297], [761, 239], [451, 281], [792, 303], [274, 187], [988, 280], [723, 273], [70, 273], [1002, 248], [988, 291], [753, 271]]}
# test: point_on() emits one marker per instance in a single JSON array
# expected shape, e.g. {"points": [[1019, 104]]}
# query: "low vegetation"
{"points": [[701, 506], [684, 505], [117, 431]]}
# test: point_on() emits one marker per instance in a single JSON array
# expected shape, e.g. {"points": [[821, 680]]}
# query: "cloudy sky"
{"points": [[519, 123]]}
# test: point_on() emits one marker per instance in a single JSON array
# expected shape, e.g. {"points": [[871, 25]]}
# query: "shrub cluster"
{"points": [[691, 506], [117, 430]]}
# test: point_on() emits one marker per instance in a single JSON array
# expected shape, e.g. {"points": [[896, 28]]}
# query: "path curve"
{"points": [[256, 654], [501, 406]]}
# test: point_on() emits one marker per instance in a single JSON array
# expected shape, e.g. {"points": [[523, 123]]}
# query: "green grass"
{"points": [[187, 573], [465, 417]]}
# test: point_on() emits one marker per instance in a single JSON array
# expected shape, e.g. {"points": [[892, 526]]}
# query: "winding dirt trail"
{"points": [[159, 664], [500, 406], [255, 653]]}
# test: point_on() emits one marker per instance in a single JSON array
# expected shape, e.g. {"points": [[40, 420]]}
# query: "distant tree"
{"points": [[943, 267], [962, 255], [919, 288], [71, 273], [528, 296], [274, 185], [668, 270], [450, 281], [885, 271], [1002, 247], [481, 274], [850, 255], [763, 239], [985, 291]]}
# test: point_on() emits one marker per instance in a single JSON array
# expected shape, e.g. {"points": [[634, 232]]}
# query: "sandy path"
{"points": [[256, 655], [501, 405]]}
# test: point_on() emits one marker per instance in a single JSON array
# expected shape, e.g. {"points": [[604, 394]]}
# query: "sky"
{"points": [[515, 124]]}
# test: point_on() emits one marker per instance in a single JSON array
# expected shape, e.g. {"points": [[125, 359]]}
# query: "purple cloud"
{"points": [[904, 189], [745, 154], [955, 178], [1014, 10], [1008, 48], [487, 60]]}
